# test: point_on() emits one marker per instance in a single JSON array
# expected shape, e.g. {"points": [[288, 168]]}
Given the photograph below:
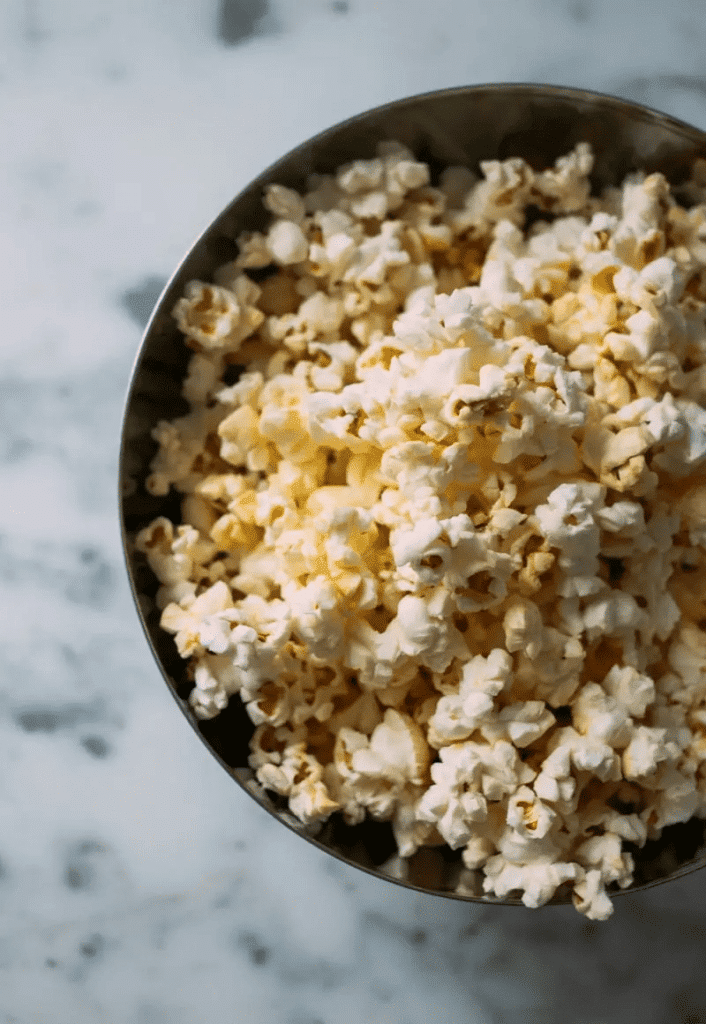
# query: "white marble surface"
{"points": [[138, 884]]}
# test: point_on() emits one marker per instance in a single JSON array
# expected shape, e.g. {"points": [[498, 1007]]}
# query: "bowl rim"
{"points": [[637, 112]]}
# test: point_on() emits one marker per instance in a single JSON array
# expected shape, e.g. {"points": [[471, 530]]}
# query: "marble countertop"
{"points": [[138, 884]]}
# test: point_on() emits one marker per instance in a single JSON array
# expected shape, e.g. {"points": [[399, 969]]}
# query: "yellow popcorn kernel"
{"points": [[412, 243], [610, 386], [212, 316], [650, 248], [435, 237], [185, 627], [237, 430], [157, 537], [564, 307], [634, 475], [286, 431], [362, 477], [232, 534], [620, 448], [550, 284], [687, 588], [222, 488], [328, 497], [198, 512], [270, 704], [538, 564], [601, 282]]}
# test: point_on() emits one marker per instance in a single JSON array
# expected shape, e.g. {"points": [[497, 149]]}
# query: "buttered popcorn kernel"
{"points": [[445, 536]]}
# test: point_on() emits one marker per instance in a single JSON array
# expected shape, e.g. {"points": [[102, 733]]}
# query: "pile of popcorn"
{"points": [[445, 535]]}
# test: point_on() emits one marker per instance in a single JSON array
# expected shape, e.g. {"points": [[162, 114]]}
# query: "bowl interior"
{"points": [[459, 126]]}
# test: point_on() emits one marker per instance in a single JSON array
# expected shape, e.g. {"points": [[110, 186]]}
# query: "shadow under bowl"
{"points": [[454, 126]]}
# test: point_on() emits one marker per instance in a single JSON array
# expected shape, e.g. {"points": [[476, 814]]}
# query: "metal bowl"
{"points": [[453, 126]]}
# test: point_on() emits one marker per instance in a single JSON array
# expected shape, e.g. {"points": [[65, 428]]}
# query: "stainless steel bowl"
{"points": [[453, 126]]}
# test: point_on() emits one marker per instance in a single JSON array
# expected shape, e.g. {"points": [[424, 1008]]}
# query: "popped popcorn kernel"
{"points": [[218, 317], [287, 243], [445, 536]]}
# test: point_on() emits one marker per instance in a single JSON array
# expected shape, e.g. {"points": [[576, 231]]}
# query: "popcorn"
{"points": [[538, 881], [590, 897], [287, 243], [466, 778], [522, 723], [528, 816], [444, 537], [644, 752], [194, 626], [523, 627], [568, 523], [219, 318], [284, 203], [598, 715], [458, 715], [631, 689], [379, 772]]}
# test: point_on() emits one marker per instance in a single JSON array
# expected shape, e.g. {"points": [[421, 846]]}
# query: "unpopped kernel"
{"points": [[445, 537]]}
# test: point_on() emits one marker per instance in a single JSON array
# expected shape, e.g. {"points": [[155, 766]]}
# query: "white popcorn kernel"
{"points": [[287, 243], [644, 752], [624, 516], [312, 803], [477, 851], [215, 316], [388, 767], [454, 809], [592, 755], [360, 176], [537, 881], [373, 205], [590, 897], [594, 713], [567, 521], [186, 623], [614, 613], [207, 698], [314, 617], [605, 853], [409, 173], [528, 815], [688, 449], [631, 689], [336, 256], [523, 627], [202, 378], [553, 790], [456, 717], [522, 722], [662, 280], [284, 203]]}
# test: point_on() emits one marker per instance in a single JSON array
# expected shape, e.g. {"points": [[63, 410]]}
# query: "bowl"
{"points": [[453, 126]]}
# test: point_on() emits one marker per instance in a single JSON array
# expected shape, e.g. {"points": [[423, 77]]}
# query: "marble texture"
{"points": [[138, 884]]}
